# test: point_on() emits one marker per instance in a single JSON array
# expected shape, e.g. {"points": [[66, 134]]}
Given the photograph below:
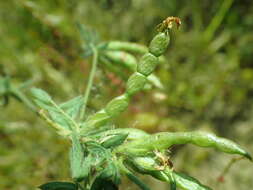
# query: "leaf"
{"points": [[60, 119], [111, 172], [41, 96], [57, 114], [114, 140], [188, 183], [102, 184], [77, 159], [58, 186], [99, 153], [73, 106], [43, 99]]}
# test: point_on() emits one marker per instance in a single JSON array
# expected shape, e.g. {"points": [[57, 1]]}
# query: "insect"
{"points": [[168, 24]]}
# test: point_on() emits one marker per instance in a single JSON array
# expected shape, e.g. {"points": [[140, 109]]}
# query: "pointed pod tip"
{"points": [[247, 155]]}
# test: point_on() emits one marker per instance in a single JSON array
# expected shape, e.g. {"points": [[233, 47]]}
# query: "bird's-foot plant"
{"points": [[100, 154]]}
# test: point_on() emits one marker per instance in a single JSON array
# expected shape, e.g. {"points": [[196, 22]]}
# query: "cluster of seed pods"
{"points": [[135, 83]]}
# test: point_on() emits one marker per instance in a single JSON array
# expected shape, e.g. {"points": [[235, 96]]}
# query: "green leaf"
{"points": [[58, 186], [102, 184], [72, 107], [60, 119], [188, 183], [57, 113], [41, 96], [43, 99], [114, 140], [111, 172], [77, 159]]}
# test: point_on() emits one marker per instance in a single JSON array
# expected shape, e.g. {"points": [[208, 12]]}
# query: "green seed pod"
{"points": [[117, 105], [135, 83], [147, 64], [159, 44], [114, 140], [127, 46], [98, 119], [165, 140], [144, 165], [122, 58], [133, 133]]}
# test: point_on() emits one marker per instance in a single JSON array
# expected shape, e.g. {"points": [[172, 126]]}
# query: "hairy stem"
{"points": [[90, 81]]}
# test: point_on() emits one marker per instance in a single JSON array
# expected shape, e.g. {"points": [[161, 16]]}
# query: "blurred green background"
{"points": [[208, 80]]}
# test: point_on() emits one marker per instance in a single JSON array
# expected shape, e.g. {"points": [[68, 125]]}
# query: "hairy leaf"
{"points": [[73, 106], [114, 140]]}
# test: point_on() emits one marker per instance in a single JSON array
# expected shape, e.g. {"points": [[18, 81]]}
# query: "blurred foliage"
{"points": [[207, 77]]}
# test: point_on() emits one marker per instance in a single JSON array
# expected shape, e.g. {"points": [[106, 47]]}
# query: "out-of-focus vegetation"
{"points": [[207, 77]]}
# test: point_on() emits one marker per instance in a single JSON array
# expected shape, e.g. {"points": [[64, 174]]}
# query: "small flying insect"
{"points": [[167, 24]]}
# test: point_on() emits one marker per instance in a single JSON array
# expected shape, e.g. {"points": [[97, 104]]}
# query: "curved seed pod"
{"points": [[159, 44], [135, 83], [147, 64], [127, 46], [122, 58], [144, 165], [164, 140], [133, 133], [117, 105]]}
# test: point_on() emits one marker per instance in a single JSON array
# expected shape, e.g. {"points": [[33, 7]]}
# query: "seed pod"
{"points": [[159, 44], [165, 140], [133, 133], [127, 46], [147, 64], [122, 58], [143, 165], [98, 119], [117, 105], [135, 83]]}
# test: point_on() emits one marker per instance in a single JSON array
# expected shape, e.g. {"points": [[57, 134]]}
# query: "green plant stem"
{"points": [[90, 81], [227, 168], [24, 100], [217, 19]]}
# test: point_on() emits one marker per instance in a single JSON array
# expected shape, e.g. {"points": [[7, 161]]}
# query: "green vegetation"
{"points": [[203, 82]]}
